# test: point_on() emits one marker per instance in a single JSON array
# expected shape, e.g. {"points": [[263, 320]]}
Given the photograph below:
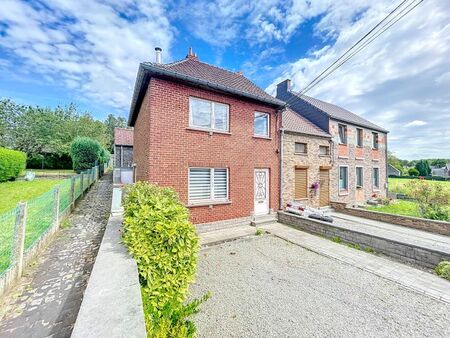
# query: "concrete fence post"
{"points": [[19, 240], [56, 196], [81, 183], [72, 192]]}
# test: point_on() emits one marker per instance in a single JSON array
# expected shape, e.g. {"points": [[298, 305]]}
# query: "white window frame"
{"points": [[362, 176], [211, 187], [345, 134], [362, 137], [268, 124], [213, 120], [374, 188], [301, 153], [343, 191]]}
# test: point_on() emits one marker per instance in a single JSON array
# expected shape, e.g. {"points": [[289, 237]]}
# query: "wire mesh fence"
{"points": [[7, 235], [42, 215]]}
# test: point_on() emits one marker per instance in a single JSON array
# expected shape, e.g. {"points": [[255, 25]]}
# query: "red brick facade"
{"points": [[165, 148]]}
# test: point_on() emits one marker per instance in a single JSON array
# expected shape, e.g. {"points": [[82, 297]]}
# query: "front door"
{"points": [[324, 188], [261, 191]]}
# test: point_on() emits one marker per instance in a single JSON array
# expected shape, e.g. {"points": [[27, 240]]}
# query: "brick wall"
{"points": [[352, 156], [312, 159], [437, 227], [165, 147]]}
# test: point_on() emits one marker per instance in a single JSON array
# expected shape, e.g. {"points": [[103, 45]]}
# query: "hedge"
{"points": [[165, 245], [428, 178], [12, 162], [85, 153]]}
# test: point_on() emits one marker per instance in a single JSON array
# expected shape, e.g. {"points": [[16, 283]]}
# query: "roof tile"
{"points": [[294, 122]]}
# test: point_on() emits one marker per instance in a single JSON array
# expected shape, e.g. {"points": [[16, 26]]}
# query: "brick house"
{"points": [[209, 133], [358, 148], [123, 147]]}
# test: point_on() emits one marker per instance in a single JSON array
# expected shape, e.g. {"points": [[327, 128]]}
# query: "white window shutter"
{"points": [[199, 184], [220, 184]]}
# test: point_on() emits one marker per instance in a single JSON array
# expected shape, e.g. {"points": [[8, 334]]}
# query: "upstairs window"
{"points": [[261, 124], [359, 177], [359, 137], [375, 140], [342, 133], [208, 184], [324, 150], [208, 115], [300, 148]]}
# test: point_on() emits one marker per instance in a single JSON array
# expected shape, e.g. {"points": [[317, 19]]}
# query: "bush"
{"points": [[12, 162], [432, 199], [413, 172], [164, 244], [443, 269], [85, 152], [49, 161]]}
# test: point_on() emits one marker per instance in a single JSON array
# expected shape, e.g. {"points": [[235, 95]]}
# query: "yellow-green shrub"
{"points": [[443, 269], [164, 244], [12, 162]]}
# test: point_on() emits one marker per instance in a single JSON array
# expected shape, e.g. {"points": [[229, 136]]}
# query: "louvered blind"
{"points": [[301, 183], [220, 183], [199, 184]]}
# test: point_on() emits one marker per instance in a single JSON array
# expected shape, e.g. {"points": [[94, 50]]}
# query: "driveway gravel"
{"points": [[267, 287]]}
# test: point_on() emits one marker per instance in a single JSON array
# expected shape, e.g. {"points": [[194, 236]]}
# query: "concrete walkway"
{"points": [[47, 301], [411, 278], [394, 232], [223, 235]]}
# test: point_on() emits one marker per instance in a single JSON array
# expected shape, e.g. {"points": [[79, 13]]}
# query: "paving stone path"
{"points": [[47, 301]]}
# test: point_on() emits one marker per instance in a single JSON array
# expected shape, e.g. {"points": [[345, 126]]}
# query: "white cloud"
{"points": [[92, 47], [415, 123], [399, 81]]}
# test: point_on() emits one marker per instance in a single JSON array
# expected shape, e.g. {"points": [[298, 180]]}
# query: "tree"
{"points": [[85, 153], [413, 172], [423, 167], [395, 162], [112, 122], [438, 162]]}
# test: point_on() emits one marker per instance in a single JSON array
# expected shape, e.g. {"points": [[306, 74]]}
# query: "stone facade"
{"points": [[123, 156], [312, 160], [352, 156]]}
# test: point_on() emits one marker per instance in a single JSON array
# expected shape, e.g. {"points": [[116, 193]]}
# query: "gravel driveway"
{"points": [[267, 287]]}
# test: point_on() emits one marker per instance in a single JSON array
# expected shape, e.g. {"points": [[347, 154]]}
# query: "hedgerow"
{"points": [[164, 244], [12, 162]]}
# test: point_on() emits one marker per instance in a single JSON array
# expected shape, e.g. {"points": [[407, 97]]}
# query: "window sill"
{"points": [[304, 154], [360, 147], [343, 144], [359, 158], [344, 157], [343, 193], [359, 187], [210, 131], [262, 137], [324, 155], [376, 190], [376, 159], [206, 203], [301, 199]]}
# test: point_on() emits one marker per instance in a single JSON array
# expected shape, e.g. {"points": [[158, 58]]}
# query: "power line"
{"points": [[356, 49]]}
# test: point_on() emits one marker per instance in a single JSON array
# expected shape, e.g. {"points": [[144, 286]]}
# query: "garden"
{"points": [[423, 198]]}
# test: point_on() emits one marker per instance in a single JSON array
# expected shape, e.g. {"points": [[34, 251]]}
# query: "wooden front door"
{"points": [[324, 187]]}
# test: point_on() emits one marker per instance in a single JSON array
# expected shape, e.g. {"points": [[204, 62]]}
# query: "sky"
{"points": [[54, 52]]}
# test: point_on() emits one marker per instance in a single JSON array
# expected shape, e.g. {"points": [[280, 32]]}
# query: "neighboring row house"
{"points": [[233, 152]]}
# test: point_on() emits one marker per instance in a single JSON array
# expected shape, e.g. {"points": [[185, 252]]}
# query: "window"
{"points": [[261, 124], [342, 133], [376, 178], [375, 140], [208, 184], [301, 183], [300, 148], [359, 177], [359, 137], [343, 178], [324, 150], [208, 115]]}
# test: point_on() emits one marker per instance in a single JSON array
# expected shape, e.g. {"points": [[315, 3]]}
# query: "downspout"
{"points": [[386, 165], [281, 167]]}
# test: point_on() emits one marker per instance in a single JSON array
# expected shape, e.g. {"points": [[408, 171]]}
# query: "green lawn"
{"points": [[400, 185], [13, 192], [399, 207]]}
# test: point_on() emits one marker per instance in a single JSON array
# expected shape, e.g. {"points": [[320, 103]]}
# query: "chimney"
{"points": [[283, 88], [191, 54], [158, 51]]}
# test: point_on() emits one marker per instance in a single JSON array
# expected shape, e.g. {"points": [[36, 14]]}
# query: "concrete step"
{"points": [[263, 219], [224, 235]]}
